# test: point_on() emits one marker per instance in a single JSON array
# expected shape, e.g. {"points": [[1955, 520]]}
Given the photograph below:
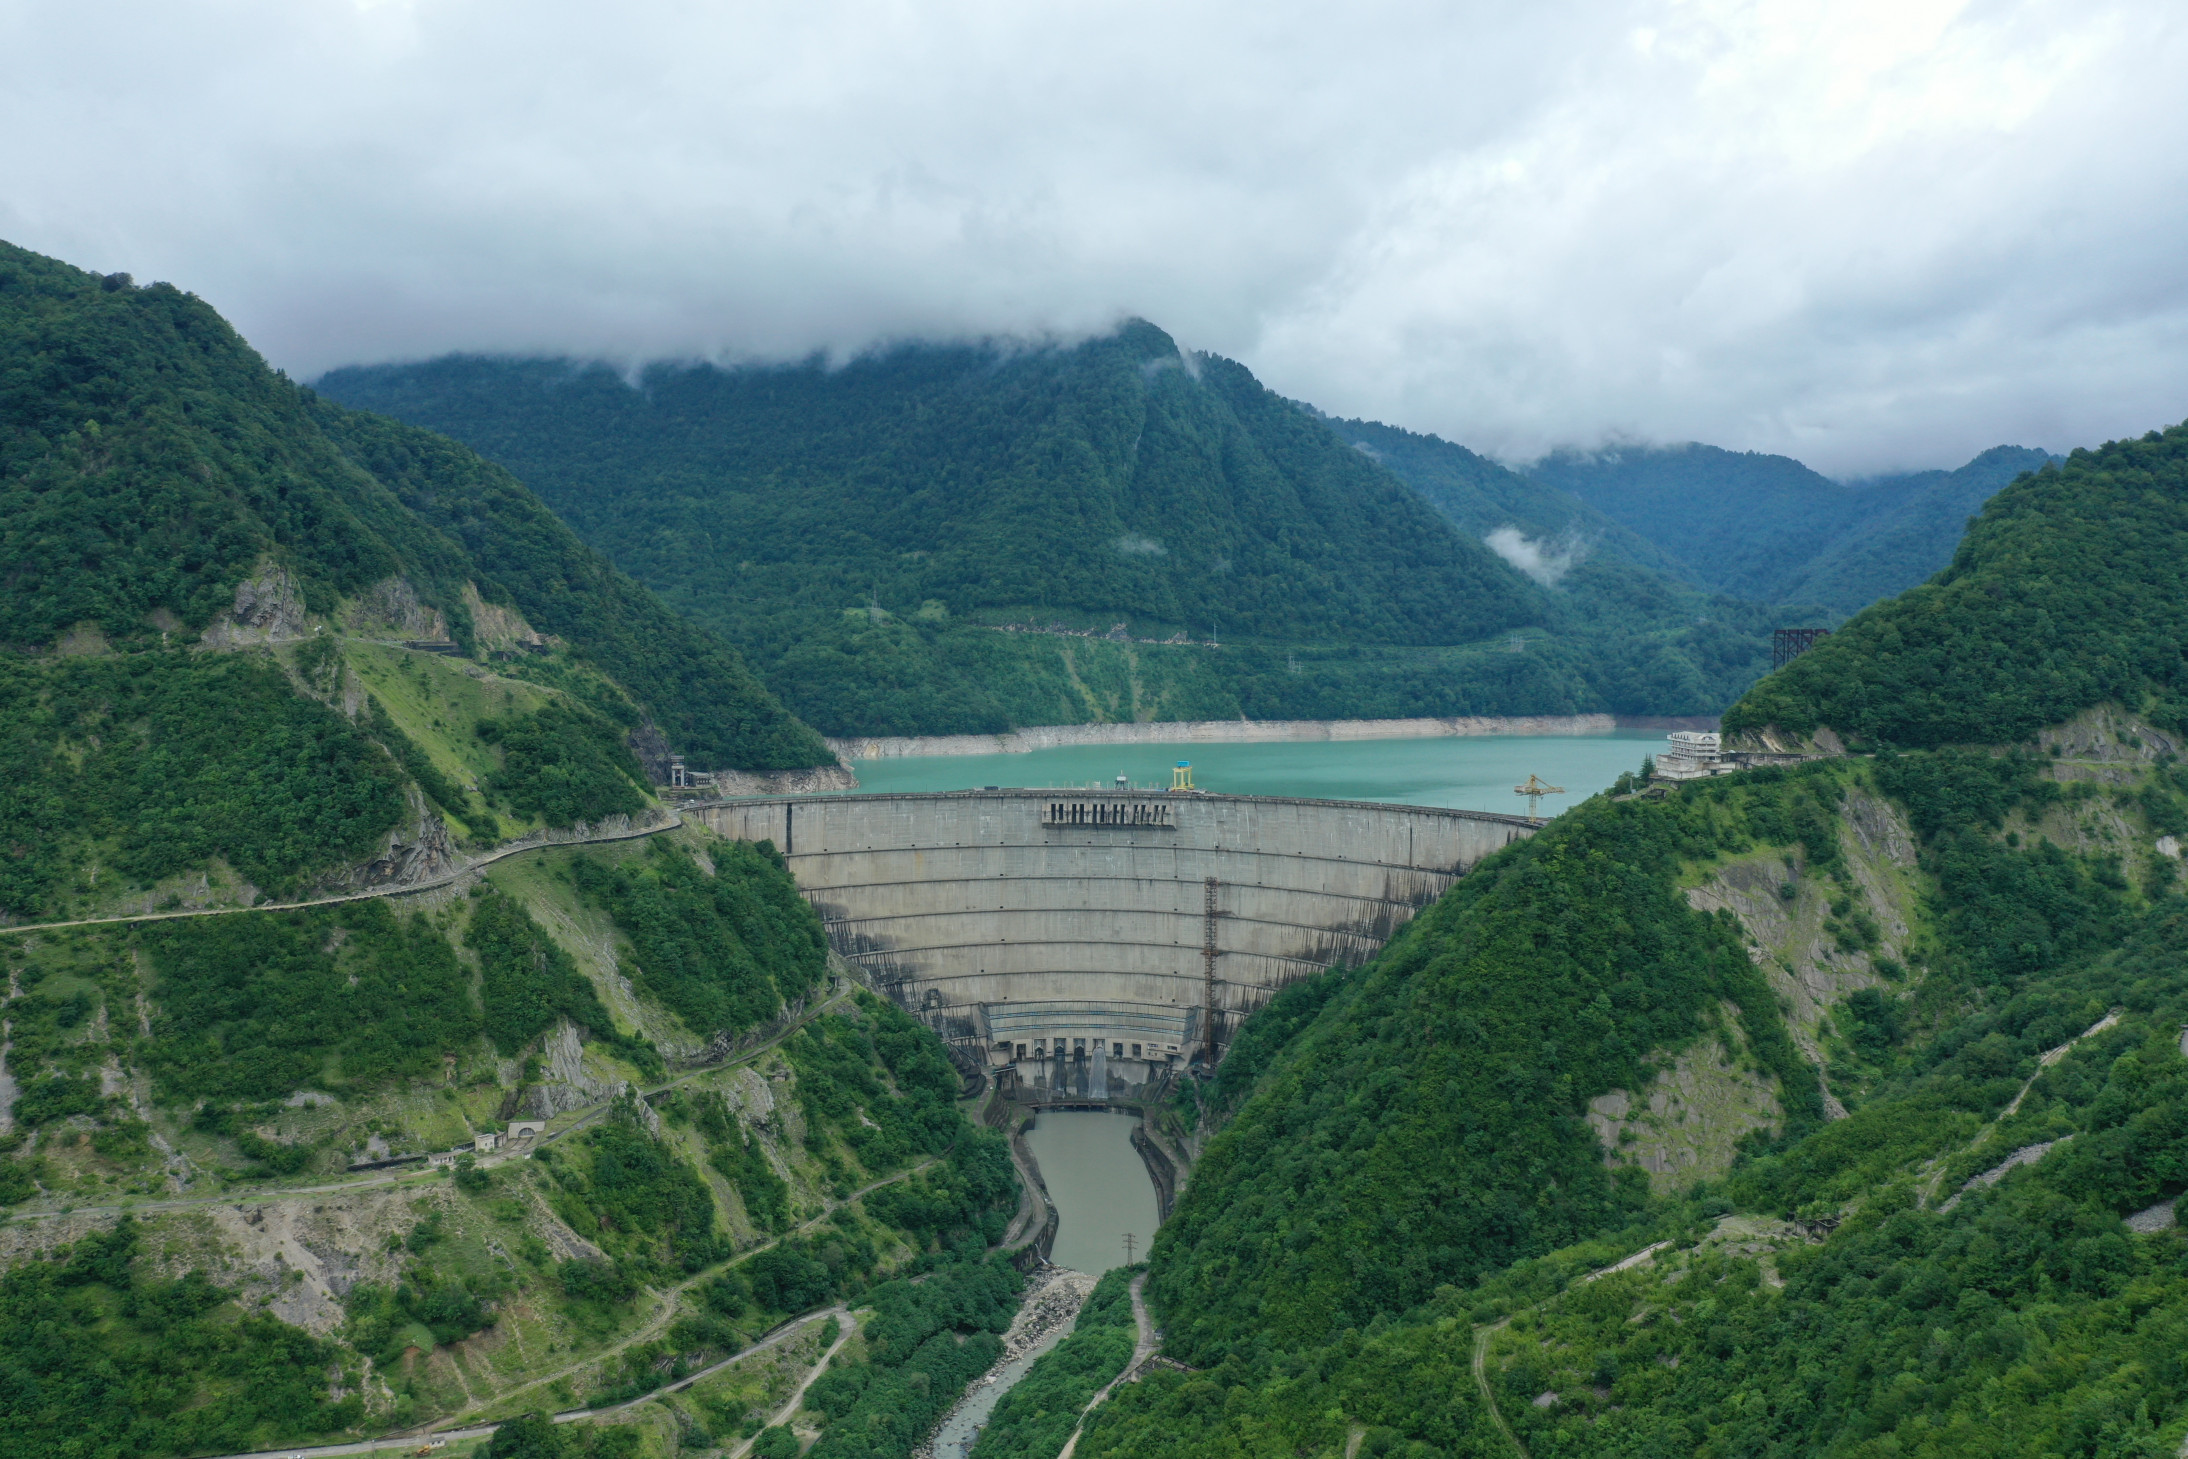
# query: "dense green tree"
{"points": [[724, 950], [2068, 591], [1426, 1127], [527, 981], [167, 761], [100, 1355], [861, 532], [150, 462], [254, 1007], [1037, 1415]]}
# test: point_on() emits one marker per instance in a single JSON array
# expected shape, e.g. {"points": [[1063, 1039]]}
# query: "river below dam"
{"points": [[1469, 772], [1102, 1192], [1099, 1185]]}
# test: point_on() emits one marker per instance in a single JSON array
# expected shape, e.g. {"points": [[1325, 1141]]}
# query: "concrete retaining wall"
{"points": [[1024, 922]]}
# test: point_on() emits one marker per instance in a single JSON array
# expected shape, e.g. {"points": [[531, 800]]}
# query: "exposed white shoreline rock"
{"points": [[1246, 732]]}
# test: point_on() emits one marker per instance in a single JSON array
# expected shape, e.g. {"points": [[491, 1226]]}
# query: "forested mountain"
{"points": [[1912, 532], [863, 532], [1635, 603], [1836, 1108], [2069, 591], [1767, 529], [377, 1046], [154, 469], [1478, 496]]}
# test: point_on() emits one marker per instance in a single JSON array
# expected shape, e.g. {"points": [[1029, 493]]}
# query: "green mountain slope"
{"points": [[1899, 545], [862, 533], [2067, 592], [533, 1096], [1767, 528], [1656, 640], [1478, 496], [1739, 522], [1426, 1129], [1103, 479], [1909, 1191], [152, 467]]}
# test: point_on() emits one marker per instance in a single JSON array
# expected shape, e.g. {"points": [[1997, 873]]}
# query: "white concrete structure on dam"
{"points": [[1090, 939]]}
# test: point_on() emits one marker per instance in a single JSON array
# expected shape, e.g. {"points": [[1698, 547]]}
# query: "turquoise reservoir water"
{"points": [[1473, 773]]}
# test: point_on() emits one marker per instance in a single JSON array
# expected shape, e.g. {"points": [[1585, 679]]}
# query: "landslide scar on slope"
{"points": [[1790, 938], [1690, 1121]]}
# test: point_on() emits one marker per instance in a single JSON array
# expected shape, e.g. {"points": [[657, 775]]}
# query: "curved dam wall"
{"points": [[1088, 940]]}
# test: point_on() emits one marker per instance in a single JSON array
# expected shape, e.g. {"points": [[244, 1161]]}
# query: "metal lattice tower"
{"points": [[1788, 644]]}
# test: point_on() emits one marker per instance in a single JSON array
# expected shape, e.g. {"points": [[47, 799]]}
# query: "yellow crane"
{"points": [[1535, 790]]}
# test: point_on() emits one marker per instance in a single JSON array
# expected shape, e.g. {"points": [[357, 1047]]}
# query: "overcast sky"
{"points": [[1872, 234]]}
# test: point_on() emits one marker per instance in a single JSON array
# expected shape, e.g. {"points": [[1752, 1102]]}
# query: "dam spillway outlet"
{"points": [[1081, 943]]}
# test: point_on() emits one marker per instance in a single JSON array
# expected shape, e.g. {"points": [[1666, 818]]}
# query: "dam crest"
{"points": [[1081, 943]]}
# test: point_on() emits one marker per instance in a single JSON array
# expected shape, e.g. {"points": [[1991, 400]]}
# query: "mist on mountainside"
{"points": [[1769, 529]]}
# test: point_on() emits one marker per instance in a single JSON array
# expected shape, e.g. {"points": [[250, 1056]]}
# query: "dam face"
{"points": [[1082, 942]]}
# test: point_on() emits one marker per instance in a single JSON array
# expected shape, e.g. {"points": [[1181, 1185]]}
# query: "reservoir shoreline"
{"points": [[1251, 732]]}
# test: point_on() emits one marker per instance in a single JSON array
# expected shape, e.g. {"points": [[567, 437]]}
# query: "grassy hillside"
{"points": [[2067, 592], [219, 1074], [1872, 1066], [158, 481], [863, 533], [223, 1232]]}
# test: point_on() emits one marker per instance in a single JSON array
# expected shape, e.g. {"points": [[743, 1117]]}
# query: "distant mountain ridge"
{"points": [[863, 533], [1117, 476], [1905, 542], [1769, 529]]}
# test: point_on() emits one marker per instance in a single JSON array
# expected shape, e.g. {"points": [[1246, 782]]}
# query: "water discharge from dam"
{"points": [[1471, 772], [1098, 1184]]}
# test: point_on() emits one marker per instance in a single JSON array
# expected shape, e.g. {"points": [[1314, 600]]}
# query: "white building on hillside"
{"points": [[1692, 755]]}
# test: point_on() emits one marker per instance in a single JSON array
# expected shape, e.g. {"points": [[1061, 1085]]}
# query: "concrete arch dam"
{"points": [[1081, 942]]}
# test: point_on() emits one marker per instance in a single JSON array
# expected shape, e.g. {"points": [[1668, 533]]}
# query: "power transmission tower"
{"points": [[1788, 644], [1128, 1248]]}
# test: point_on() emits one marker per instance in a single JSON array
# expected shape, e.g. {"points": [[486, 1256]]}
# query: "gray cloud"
{"points": [[1872, 234]]}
